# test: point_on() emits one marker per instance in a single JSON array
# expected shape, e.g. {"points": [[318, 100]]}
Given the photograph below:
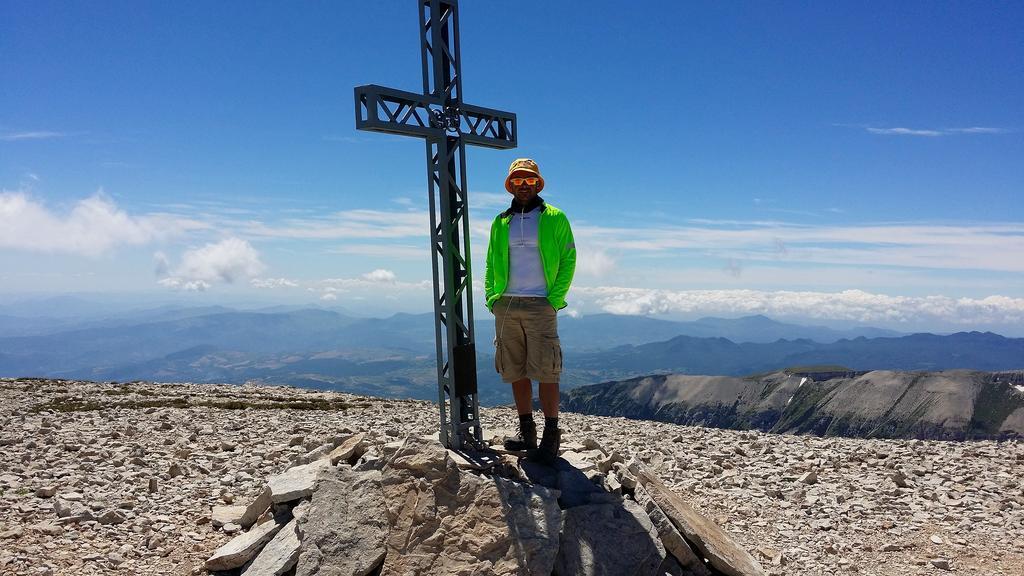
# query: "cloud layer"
{"points": [[846, 305], [92, 227]]}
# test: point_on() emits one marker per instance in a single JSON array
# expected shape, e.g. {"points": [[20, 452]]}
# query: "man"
{"points": [[531, 258]]}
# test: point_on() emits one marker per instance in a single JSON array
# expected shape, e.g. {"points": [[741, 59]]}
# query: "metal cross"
{"points": [[439, 116]]}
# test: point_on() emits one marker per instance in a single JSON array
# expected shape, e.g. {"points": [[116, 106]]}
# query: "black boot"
{"points": [[527, 439], [549, 444]]}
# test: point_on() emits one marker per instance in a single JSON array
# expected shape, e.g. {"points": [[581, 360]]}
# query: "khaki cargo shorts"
{"points": [[526, 339]]}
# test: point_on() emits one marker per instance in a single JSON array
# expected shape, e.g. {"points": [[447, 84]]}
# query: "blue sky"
{"points": [[840, 162]]}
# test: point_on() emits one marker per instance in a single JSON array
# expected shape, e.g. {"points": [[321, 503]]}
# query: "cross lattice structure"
{"points": [[447, 124]]}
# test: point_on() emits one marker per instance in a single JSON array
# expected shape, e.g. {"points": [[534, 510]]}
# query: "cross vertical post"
{"points": [[447, 124]]}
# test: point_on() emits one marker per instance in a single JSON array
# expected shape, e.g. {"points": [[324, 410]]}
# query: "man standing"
{"points": [[531, 258]]}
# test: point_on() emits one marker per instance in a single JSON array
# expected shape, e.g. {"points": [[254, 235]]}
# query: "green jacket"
{"points": [[557, 255]]}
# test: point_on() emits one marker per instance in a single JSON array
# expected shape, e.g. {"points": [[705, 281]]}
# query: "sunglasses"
{"points": [[521, 181]]}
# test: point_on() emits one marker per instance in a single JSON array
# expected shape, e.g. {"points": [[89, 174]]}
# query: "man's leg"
{"points": [[522, 391], [548, 399]]}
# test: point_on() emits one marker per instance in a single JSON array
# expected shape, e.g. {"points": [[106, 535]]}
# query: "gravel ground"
{"points": [[121, 478]]}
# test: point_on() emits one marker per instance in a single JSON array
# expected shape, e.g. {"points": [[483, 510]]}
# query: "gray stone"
{"points": [[809, 477], [345, 527], [256, 508], [71, 510], [713, 543], [444, 521], [670, 537], [297, 482], [46, 491], [315, 454], [111, 517], [278, 556], [222, 515], [609, 539], [243, 548], [573, 486]]}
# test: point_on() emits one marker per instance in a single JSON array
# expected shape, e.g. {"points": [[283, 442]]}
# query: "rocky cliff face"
{"points": [[949, 405]]}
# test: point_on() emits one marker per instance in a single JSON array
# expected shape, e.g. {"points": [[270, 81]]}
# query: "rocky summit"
{"points": [[141, 478]]}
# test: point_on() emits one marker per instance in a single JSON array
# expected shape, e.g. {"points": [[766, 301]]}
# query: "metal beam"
{"points": [[381, 109]]}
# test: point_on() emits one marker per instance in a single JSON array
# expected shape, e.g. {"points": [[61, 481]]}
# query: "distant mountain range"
{"points": [[394, 356], [947, 405]]}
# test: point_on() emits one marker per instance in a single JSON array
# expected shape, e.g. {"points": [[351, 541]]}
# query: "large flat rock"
{"points": [[721, 551], [671, 539], [609, 540], [297, 482], [278, 556], [244, 547], [346, 526], [446, 522]]}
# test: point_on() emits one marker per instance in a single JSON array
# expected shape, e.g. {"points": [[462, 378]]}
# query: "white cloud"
{"points": [[594, 262], [184, 285], [380, 275], [30, 135], [92, 227], [994, 247], [932, 132], [225, 261], [401, 251], [379, 282], [846, 305], [348, 224], [273, 283]]}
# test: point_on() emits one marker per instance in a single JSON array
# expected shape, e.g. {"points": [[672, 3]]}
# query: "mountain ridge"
{"points": [[944, 405]]}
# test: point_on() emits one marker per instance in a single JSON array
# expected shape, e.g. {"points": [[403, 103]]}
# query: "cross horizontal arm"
{"points": [[381, 109]]}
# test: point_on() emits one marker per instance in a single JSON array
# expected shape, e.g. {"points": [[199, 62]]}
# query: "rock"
{"points": [[297, 482], [315, 454], [256, 508], [72, 510], [222, 515], [940, 563], [579, 462], [243, 548], [154, 485], [433, 507], [350, 448], [48, 529], [936, 539], [345, 528], [809, 478], [609, 539], [671, 539], [15, 532], [278, 556], [573, 486], [111, 517], [713, 543], [46, 491]]}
